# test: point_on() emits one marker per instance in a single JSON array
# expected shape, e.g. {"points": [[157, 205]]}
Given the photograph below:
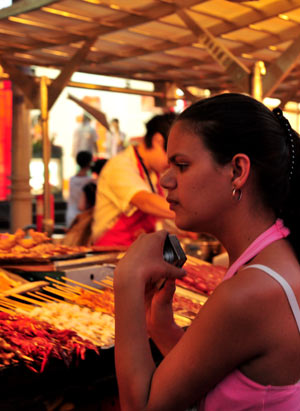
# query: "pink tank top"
{"points": [[236, 392]]}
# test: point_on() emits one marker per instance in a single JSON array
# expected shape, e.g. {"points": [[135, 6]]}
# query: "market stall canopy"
{"points": [[206, 44]]}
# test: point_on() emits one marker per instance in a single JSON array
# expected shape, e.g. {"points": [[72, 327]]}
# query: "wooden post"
{"points": [[48, 222], [257, 85], [21, 201]]}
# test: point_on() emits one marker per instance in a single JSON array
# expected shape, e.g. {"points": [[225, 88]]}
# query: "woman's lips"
{"points": [[172, 203]]}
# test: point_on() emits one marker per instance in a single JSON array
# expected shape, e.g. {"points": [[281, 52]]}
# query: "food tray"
{"points": [[62, 257], [40, 260]]}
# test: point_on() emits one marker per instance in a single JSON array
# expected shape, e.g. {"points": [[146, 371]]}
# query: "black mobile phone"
{"points": [[173, 254]]}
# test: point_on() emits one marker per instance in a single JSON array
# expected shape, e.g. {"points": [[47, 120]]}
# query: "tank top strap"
{"points": [[286, 287], [275, 232]]}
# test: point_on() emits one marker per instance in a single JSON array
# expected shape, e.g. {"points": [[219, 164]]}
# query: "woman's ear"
{"points": [[240, 164]]}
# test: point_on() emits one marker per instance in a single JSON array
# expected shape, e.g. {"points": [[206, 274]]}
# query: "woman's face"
{"points": [[198, 188]]}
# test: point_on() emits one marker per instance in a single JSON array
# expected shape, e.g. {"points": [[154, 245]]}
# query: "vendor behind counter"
{"points": [[129, 199]]}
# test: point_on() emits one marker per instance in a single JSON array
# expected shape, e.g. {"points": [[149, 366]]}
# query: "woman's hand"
{"points": [[143, 264], [159, 316], [159, 312]]}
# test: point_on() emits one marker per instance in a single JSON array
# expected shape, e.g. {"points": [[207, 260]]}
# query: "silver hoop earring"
{"points": [[238, 192]]}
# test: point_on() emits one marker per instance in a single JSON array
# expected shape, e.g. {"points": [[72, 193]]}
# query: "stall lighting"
{"points": [[273, 48], [93, 1], [283, 17], [247, 56], [31, 23], [262, 68], [179, 92], [2, 73], [56, 52], [271, 102], [23, 56], [66, 14], [254, 27]]}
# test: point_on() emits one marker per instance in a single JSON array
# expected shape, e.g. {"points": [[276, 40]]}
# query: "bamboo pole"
{"points": [[48, 222]]}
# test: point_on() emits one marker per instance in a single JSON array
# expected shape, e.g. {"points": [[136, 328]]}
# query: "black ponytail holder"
{"points": [[285, 124]]}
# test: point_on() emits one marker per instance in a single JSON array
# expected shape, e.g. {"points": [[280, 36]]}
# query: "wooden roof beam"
{"points": [[25, 83], [24, 6], [65, 75], [280, 68], [187, 94], [289, 95], [239, 73]]}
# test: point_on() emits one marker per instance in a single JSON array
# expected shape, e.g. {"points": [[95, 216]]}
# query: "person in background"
{"points": [[77, 182], [115, 139], [85, 137], [234, 172], [79, 232], [129, 198], [88, 196]]}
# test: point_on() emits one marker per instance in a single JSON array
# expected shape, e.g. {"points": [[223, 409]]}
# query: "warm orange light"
{"points": [[66, 14]]}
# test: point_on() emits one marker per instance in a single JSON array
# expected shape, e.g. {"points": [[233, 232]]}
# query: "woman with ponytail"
{"points": [[234, 173]]}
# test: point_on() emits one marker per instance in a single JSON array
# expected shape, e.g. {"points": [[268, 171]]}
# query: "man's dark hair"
{"points": [[84, 158], [98, 165], [159, 124]]}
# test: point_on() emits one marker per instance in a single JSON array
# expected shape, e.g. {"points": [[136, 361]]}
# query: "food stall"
{"points": [[57, 320]]}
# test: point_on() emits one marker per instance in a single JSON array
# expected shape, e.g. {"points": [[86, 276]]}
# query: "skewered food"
{"points": [[202, 277], [23, 339], [185, 306], [99, 302], [90, 325]]}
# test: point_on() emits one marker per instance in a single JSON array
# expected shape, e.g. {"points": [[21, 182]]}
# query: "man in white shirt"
{"points": [[129, 198], [85, 138]]}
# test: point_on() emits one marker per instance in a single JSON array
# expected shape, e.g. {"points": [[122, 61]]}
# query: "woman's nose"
{"points": [[167, 180]]}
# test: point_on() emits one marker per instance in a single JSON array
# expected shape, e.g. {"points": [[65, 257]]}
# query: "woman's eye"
{"points": [[182, 166]]}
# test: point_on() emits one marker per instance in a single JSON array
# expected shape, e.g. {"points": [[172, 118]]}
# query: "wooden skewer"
{"points": [[71, 287], [15, 307], [57, 292], [5, 304], [83, 285], [105, 286], [15, 304], [65, 290], [48, 297], [6, 310], [38, 296], [99, 283], [105, 283], [107, 279], [30, 300]]}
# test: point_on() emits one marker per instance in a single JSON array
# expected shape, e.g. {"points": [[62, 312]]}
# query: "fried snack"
{"points": [[26, 242], [39, 237], [7, 240], [38, 247]]}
